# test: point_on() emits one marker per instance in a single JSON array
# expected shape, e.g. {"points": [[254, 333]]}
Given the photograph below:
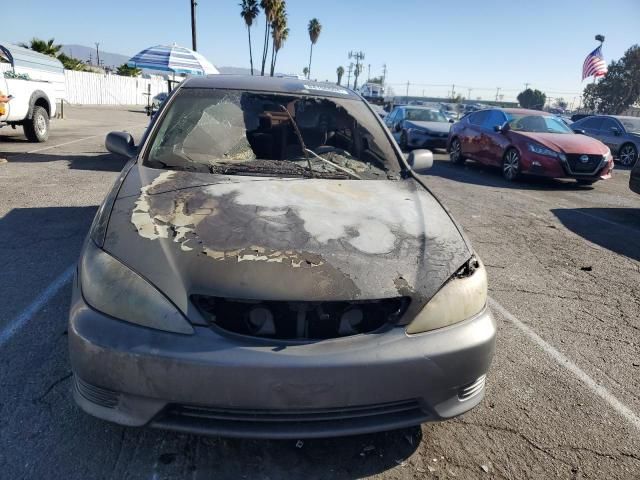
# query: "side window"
{"points": [[478, 118], [389, 119], [592, 123], [608, 124], [494, 118]]}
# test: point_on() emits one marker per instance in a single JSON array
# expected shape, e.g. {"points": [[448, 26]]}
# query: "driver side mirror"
{"points": [[398, 126], [420, 160], [501, 128], [451, 120], [616, 131], [121, 143], [579, 131]]}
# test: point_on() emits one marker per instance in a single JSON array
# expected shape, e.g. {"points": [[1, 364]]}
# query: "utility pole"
{"points": [[407, 95], [497, 93], [384, 73], [349, 68], [369, 73], [359, 56], [193, 25], [453, 92], [97, 53], [526, 85], [469, 93]]}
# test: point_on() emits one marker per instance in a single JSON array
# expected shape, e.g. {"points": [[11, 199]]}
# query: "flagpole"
{"points": [[599, 38]]}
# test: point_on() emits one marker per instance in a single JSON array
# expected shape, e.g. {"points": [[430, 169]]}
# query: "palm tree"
{"points": [[356, 73], [314, 29], [43, 46], [340, 73], [269, 7], [305, 72], [249, 11], [280, 33]]}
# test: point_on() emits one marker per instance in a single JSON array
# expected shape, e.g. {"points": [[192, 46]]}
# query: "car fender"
{"points": [[35, 96]]}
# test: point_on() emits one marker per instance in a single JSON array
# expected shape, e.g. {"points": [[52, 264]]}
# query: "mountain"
{"points": [[84, 53]]}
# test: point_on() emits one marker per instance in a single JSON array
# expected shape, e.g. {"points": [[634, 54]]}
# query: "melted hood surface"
{"points": [[264, 238]]}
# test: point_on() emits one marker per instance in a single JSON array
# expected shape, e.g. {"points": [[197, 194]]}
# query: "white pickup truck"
{"points": [[34, 82], [32, 104]]}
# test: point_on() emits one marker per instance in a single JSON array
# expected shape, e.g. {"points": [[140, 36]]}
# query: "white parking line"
{"points": [[61, 144], [589, 382], [28, 313]]}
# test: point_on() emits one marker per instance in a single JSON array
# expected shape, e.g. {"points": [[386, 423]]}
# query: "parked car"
{"points": [[418, 127], [268, 264], [620, 134], [157, 101], [634, 178], [579, 116], [528, 142], [32, 83]]}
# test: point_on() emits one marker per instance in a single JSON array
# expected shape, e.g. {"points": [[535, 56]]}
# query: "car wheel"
{"points": [[36, 129], [628, 155], [511, 164], [455, 153], [586, 183], [403, 141]]}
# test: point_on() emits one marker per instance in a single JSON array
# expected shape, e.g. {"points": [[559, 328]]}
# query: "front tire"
{"points": [[455, 152], [511, 165], [36, 129], [628, 155]]}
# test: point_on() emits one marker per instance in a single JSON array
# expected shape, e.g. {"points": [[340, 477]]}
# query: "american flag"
{"points": [[594, 65]]}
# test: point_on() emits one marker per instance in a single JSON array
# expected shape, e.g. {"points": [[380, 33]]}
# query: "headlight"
{"points": [[112, 288], [462, 297], [540, 150]]}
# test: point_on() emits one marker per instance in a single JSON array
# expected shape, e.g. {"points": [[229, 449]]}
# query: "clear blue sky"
{"points": [[479, 44]]}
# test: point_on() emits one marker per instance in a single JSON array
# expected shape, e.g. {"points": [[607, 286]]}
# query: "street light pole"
{"points": [[193, 25], [97, 53]]}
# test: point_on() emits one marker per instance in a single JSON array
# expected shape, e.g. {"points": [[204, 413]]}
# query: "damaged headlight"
{"points": [[462, 297], [112, 288]]}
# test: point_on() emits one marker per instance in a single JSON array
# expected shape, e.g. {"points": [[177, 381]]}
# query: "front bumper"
{"points": [[544, 166], [211, 384], [426, 141]]}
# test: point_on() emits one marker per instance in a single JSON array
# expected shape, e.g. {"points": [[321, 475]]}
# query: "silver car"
{"points": [[620, 134], [268, 264]]}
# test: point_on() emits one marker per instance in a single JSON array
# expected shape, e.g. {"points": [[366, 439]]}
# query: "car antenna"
{"points": [[299, 135]]}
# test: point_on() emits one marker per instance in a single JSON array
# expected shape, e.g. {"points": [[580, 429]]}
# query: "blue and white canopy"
{"points": [[174, 59]]}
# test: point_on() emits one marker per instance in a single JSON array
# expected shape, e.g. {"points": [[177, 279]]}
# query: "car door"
{"points": [[471, 134], [610, 134], [397, 121], [590, 125], [492, 143]]}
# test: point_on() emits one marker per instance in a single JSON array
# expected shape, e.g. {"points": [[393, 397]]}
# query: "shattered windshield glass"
{"points": [[255, 133]]}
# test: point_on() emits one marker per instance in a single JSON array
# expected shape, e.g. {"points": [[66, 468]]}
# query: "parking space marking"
{"points": [[563, 361], [60, 144], [28, 313]]}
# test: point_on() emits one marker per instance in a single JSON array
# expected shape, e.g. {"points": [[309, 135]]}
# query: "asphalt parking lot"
{"points": [[563, 398]]}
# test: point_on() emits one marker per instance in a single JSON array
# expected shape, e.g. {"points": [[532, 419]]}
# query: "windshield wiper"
{"points": [[335, 165], [299, 135]]}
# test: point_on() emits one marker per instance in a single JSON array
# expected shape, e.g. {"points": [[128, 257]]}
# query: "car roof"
{"points": [[270, 84], [525, 111]]}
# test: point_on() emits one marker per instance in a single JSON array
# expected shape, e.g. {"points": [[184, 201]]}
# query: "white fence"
{"points": [[86, 88]]}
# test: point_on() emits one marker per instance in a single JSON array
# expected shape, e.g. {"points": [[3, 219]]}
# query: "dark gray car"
{"points": [[620, 134], [269, 265], [418, 127]]}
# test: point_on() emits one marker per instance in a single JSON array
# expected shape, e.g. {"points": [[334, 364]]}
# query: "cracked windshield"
{"points": [[251, 133]]}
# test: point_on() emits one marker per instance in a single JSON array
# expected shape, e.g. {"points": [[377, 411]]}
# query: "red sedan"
{"points": [[528, 142]]}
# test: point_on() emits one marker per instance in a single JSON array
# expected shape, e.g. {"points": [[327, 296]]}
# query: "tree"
{"points": [[379, 80], [279, 32], [619, 88], [340, 73], [127, 71], [534, 99], [42, 46], [305, 72], [71, 63], [356, 73], [314, 28], [249, 11], [561, 103], [269, 7]]}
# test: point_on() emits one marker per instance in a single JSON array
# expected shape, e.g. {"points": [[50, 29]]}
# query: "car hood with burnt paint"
{"points": [[295, 239], [436, 127], [567, 142]]}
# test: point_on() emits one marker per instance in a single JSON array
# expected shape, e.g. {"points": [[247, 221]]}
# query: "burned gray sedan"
{"points": [[268, 264]]}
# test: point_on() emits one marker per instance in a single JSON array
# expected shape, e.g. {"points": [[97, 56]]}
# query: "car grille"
{"points": [[588, 167], [98, 395], [300, 320], [288, 423]]}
